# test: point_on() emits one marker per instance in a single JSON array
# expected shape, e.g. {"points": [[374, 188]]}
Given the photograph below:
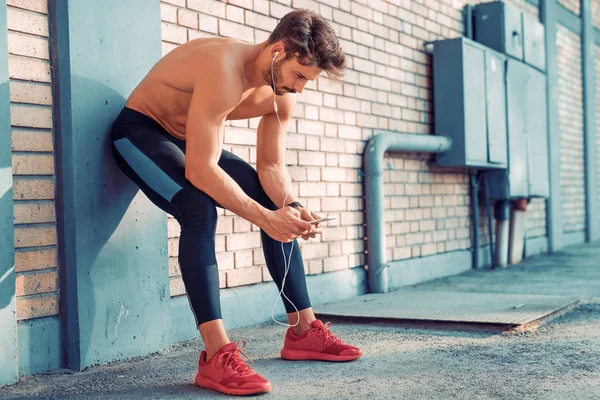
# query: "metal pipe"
{"points": [[468, 20], [502, 215], [378, 281], [488, 207], [475, 219]]}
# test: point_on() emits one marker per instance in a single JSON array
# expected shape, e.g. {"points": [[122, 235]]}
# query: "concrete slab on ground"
{"points": [[503, 310]]}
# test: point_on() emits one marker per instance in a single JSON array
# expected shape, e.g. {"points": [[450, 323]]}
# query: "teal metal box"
{"points": [[534, 51], [527, 173], [470, 103], [499, 26]]}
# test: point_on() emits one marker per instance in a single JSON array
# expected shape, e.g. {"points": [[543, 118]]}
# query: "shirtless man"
{"points": [[168, 139]]}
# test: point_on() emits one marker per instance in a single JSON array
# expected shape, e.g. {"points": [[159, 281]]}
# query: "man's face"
{"points": [[291, 76]]}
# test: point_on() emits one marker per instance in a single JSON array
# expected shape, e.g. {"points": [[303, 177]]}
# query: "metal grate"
{"points": [[461, 307]]}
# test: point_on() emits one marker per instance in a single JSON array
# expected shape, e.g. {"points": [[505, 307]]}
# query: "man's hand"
{"points": [[308, 215], [285, 225]]}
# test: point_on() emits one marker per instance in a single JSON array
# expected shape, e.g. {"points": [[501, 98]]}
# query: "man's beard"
{"points": [[275, 73]]}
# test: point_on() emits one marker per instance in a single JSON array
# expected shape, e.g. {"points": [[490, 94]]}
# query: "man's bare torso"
{"points": [[166, 92]]}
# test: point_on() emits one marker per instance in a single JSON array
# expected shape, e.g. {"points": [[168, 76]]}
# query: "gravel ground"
{"points": [[559, 360]]}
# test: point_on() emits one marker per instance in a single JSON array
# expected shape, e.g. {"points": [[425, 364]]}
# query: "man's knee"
{"points": [[194, 208]]}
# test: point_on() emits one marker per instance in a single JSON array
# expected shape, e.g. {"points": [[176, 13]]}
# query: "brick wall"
{"points": [[572, 5], [33, 158], [387, 86], [570, 117], [596, 13]]}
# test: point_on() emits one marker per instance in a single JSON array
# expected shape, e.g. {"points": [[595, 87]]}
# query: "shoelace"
{"points": [[234, 361], [330, 338]]}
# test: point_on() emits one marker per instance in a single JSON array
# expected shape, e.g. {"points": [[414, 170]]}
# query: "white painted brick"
{"points": [[313, 174], [187, 18], [28, 69], [243, 258], [350, 160], [31, 116], [333, 174], [167, 47], [261, 6], [306, 4], [310, 97], [311, 127], [349, 132], [311, 158], [366, 120], [28, 45], [225, 260], [362, 24], [237, 241], [315, 267], [312, 143], [348, 103], [333, 234], [278, 10], [234, 13], [208, 23], [25, 21], [378, 30], [173, 33], [241, 3], [40, 6], [237, 31], [331, 115], [26, 140], [260, 21], [333, 190], [312, 189], [314, 250], [168, 13], [195, 34], [311, 112], [326, 11], [361, 10], [329, 100], [31, 93], [212, 7], [345, 18], [244, 276]]}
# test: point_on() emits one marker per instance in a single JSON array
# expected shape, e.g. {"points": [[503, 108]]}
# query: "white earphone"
{"points": [[286, 261]]}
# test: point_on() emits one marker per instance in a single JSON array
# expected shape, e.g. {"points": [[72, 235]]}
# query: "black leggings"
{"points": [[155, 161]]}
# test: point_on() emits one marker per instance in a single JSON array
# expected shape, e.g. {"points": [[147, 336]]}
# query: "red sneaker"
{"points": [[317, 344], [227, 372]]}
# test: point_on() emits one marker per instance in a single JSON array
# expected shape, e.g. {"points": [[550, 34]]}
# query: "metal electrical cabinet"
{"points": [[527, 174], [499, 26], [469, 103], [506, 29]]}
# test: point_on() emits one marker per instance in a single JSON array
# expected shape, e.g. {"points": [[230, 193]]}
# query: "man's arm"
{"points": [[270, 153], [204, 136]]}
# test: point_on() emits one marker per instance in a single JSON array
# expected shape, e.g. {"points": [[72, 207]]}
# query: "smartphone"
{"points": [[318, 221]]}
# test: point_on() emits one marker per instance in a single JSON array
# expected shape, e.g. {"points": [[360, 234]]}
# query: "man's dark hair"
{"points": [[309, 37]]}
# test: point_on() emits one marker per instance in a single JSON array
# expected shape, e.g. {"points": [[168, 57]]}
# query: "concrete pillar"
{"points": [[8, 315], [589, 117], [112, 239], [548, 14]]}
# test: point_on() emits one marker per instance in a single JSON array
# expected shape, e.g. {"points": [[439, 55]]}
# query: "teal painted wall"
{"points": [[39, 345], [115, 285], [8, 318]]}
